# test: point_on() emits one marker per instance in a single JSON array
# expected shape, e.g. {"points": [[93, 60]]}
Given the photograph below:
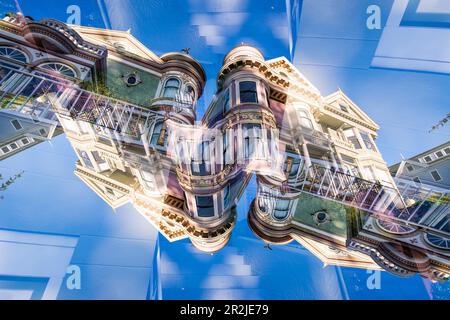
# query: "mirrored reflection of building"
{"points": [[130, 117]]}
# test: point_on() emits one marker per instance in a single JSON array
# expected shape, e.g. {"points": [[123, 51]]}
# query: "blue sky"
{"points": [[334, 49]]}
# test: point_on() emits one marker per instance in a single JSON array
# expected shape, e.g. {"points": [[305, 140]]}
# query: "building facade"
{"points": [[430, 167], [131, 119]]}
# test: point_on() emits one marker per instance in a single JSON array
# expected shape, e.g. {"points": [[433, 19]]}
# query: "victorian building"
{"points": [[130, 116], [430, 167]]}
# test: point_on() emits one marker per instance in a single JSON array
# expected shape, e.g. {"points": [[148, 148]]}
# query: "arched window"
{"points": [[438, 241], [305, 121], [14, 54], [171, 88], [281, 210], [58, 69]]}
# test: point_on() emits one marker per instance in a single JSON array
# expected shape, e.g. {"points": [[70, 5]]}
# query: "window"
{"points": [[347, 158], [13, 146], [226, 149], [110, 192], [350, 134], [370, 175], [171, 88], [416, 179], [436, 176], [447, 150], [85, 157], [281, 209], [410, 168], [189, 92], [343, 108], [148, 178], [132, 79], [5, 149], [438, 241], [16, 124], [42, 132], [159, 135], [248, 93], [291, 167], [25, 141], [253, 141], [305, 121], [367, 141], [12, 53], [58, 69], [427, 159], [382, 176], [226, 103], [200, 165], [226, 197], [205, 206], [439, 154], [97, 157]]}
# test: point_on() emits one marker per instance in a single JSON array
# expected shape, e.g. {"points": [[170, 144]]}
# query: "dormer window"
{"points": [[171, 88], [120, 46], [343, 108]]}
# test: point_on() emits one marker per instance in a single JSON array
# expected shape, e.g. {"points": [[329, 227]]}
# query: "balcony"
{"points": [[337, 140], [378, 200], [40, 98]]}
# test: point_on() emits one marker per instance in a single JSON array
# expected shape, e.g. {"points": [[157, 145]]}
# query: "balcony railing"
{"points": [[380, 201], [35, 95]]}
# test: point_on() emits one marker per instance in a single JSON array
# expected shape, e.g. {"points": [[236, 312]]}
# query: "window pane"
{"points": [[247, 86], [205, 206], [366, 138], [435, 175], [171, 88], [248, 91]]}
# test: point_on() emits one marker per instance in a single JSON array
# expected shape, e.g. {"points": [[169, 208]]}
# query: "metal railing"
{"points": [[37, 95], [380, 201], [40, 97]]}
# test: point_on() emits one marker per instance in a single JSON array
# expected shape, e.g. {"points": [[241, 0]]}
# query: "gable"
{"points": [[100, 189], [346, 106], [286, 69], [116, 40]]}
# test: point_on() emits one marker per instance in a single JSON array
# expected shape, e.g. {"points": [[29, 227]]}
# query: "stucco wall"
{"points": [[141, 94]]}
